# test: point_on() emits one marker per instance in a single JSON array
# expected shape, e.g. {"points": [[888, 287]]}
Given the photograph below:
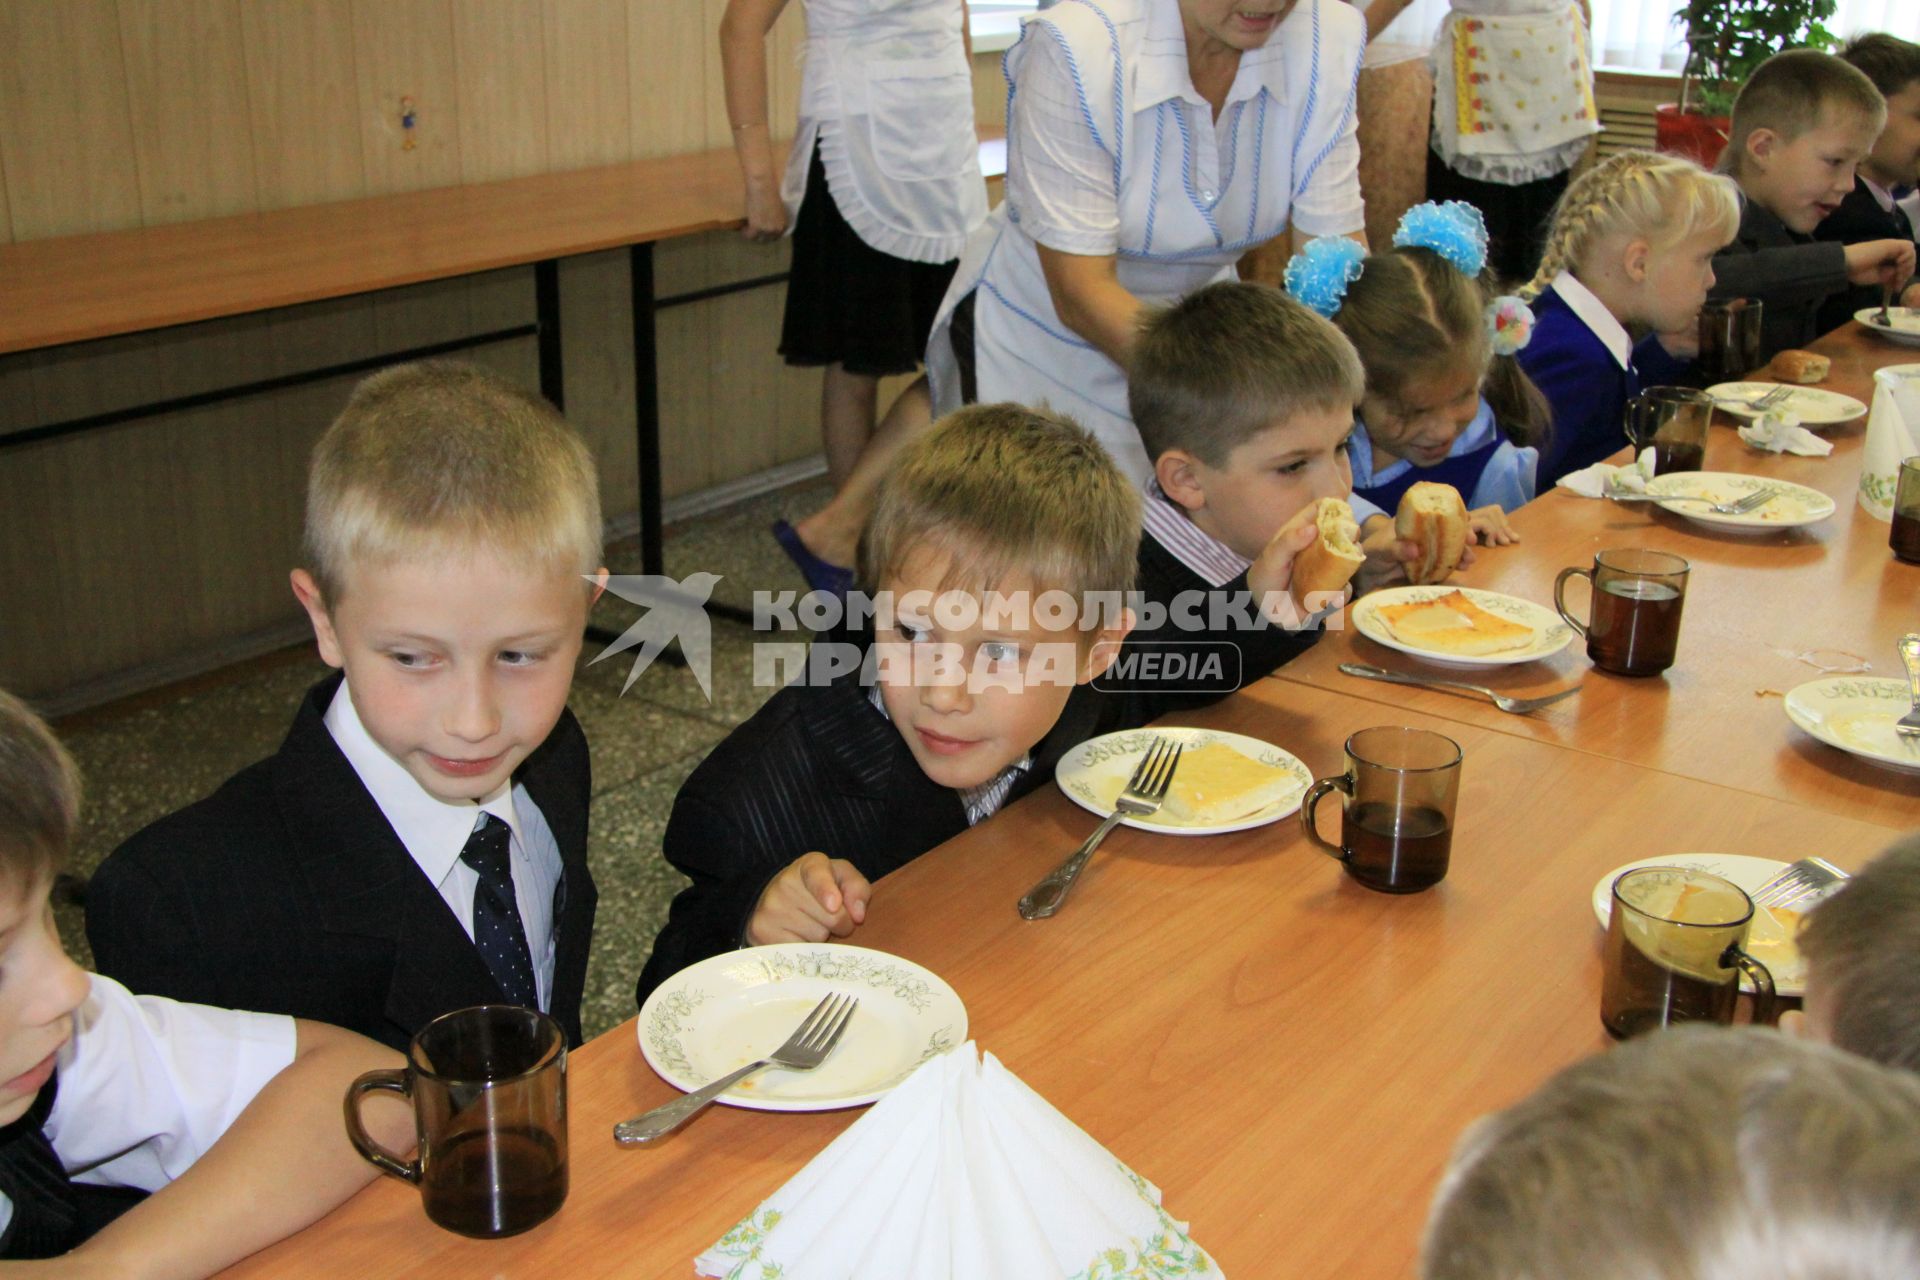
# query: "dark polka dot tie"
{"points": [[497, 930]]}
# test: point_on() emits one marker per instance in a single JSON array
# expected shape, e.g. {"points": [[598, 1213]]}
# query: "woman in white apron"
{"points": [[1150, 143], [880, 192]]}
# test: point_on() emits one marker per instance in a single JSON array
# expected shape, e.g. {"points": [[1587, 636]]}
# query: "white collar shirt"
{"points": [[434, 832], [1594, 314], [1167, 523]]}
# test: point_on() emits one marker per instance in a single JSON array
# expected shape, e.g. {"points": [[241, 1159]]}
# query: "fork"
{"points": [[1752, 502], [804, 1050], [1760, 403], [1794, 883], [1144, 793], [1518, 706], [1908, 725]]}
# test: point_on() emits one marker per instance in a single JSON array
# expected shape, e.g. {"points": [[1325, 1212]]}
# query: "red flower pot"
{"points": [[1694, 136]]}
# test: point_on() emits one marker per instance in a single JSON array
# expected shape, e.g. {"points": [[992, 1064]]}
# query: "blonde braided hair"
{"points": [[1662, 199]]}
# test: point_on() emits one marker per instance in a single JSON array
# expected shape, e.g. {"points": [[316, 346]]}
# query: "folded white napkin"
{"points": [[962, 1170], [1591, 482], [1893, 433], [1782, 433]]}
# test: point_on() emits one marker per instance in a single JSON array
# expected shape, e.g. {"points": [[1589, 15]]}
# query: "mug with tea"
{"points": [[1730, 338], [1635, 623], [1905, 538], [489, 1092], [1675, 950], [1399, 792], [1672, 421]]}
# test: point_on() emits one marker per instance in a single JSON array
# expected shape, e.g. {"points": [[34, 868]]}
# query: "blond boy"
{"points": [[418, 843], [1705, 1152], [998, 552], [1801, 126], [1862, 947], [233, 1119]]}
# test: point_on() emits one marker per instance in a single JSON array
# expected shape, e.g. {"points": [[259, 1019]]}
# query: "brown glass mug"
{"points": [[1400, 789], [1905, 537], [1730, 338], [489, 1092], [1634, 629], [1675, 950], [1672, 421]]}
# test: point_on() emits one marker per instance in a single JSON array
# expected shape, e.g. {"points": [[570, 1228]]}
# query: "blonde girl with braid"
{"points": [[1630, 251]]}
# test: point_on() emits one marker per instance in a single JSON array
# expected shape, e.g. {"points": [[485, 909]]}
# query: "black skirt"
{"points": [[847, 302]]}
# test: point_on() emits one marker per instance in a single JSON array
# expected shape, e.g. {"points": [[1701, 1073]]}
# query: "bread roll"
{"points": [[1799, 366], [1435, 517], [1331, 559]]}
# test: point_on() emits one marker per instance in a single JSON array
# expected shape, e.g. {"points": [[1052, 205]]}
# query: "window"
{"points": [[1640, 35]]}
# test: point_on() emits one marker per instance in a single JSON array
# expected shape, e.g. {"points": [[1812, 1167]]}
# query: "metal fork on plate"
{"points": [[804, 1050], [1751, 502], [1795, 883], [1144, 793], [1760, 403]]}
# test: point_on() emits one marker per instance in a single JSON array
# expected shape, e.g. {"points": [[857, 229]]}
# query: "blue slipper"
{"points": [[820, 574]]}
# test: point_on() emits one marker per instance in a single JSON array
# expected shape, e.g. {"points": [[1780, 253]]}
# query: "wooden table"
{"points": [[1754, 606], [1289, 1056]]}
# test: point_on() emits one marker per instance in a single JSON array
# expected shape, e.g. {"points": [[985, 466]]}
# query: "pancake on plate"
{"points": [[1454, 624], [1215, 784]]}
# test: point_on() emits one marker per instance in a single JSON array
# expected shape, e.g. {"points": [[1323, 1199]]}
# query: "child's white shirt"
{"points": [[147, 1084]]}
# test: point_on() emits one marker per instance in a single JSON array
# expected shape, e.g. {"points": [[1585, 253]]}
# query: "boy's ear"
{"points": [[1634, 261], [1176, 471], [1106, 646], [1761, 144], [599, 586], [307, 592]]}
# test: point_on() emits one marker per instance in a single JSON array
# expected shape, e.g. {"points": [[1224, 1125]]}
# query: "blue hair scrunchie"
{"points": [[1319, 274], [1454, 230]]}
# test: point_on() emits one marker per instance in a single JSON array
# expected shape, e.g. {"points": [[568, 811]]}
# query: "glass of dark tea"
{"points": [[1730, 338], [1906, 512], [1672, 421], [1637, 597], [489, 1092], [1396, 818], [1675, 950]]}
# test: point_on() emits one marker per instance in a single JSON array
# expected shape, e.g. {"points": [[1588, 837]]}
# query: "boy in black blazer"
{"points": [[1870, 211], [1001, 548], [418, 843]]}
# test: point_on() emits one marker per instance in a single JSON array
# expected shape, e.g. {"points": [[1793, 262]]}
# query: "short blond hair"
{"points": [[39, 797], [1793, 92], [1011, 496], [1713, 1153], [1231, 360], [1862, 946], [439, 456], [1661, 199]]}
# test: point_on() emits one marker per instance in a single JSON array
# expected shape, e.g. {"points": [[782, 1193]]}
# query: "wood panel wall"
{"points": [[164, 544]]}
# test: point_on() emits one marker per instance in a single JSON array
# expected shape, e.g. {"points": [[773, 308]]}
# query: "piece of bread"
{"points": [[1435, 516], [1454, 624], [1331, 559], [1799, 366], [1215, 784]]}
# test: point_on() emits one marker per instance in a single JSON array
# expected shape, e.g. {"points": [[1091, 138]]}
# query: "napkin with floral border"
{"points": [[962, 1170], [1591, 482], [1782, 433]]}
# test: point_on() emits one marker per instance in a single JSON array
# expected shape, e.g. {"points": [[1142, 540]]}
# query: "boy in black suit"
{"points": [[1802, 123], [973, 688], [1245, 400], [1871, 211], [418, 843], [105, 1095]]}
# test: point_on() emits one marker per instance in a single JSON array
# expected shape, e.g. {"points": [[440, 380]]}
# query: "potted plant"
{"points": [[1726, 40]]}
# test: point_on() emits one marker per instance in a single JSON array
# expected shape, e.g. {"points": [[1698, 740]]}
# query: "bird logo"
{"points": [[676, 610]]}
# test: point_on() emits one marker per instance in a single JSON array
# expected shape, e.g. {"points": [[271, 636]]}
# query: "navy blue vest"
{"points": [[1463, 473]]}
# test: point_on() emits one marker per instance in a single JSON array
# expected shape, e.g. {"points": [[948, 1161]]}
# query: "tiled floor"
{"points": [[156, 753]]}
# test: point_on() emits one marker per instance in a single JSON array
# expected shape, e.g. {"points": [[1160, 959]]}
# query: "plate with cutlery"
{"points": [[1723, 500]]}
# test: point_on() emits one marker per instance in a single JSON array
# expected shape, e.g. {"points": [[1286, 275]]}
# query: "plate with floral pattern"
{"points": [[728, 1010], [1792, 506], [1856, 714], [1811, 406], [1551, 634], [1093, 774]]}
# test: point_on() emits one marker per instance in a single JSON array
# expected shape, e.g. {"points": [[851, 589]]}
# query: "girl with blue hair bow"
{"points": [[1445, 402]]}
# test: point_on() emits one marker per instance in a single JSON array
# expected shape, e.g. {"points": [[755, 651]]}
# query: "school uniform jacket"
{"points": [[287, 891], [1859, 218], [818, 768], [1790, 273]]}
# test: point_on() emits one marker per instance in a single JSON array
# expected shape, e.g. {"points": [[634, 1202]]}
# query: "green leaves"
{"points": [[1727, 39]]}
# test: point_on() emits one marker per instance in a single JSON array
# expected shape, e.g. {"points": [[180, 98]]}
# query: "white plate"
{"points": [[1783, 961], [1550, 631], [1856, 714], [728, 1010], [1795, 506], [1906, 324], [1814, 407], [1093, 774]]}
